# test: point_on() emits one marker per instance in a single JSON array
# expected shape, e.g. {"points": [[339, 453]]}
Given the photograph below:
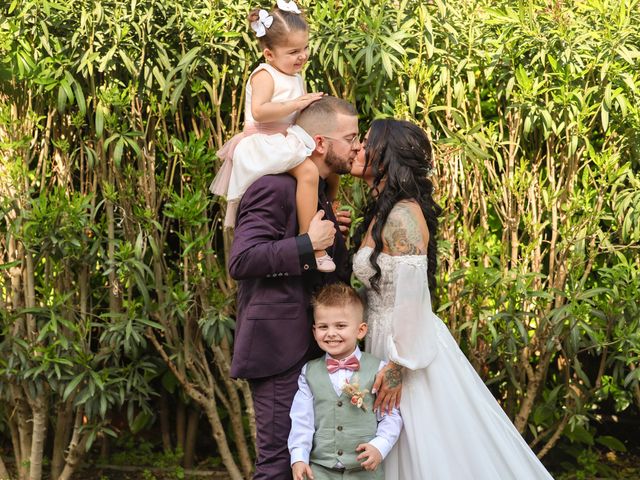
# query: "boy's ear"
{"points": [[362, 330]]}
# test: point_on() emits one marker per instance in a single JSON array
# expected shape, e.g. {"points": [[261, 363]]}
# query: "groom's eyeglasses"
{"points": [[353, 142]]}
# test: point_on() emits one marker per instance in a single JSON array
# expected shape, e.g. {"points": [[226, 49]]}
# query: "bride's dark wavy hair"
{"points": [[400, 153]]}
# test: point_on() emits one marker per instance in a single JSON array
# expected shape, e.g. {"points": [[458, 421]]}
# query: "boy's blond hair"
{"points": [[337, 295]]}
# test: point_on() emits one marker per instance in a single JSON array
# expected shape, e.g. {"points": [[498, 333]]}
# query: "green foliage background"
{"points": [[112, 279]]}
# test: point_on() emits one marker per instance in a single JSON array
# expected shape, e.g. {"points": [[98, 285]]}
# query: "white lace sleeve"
{"points": [[413, 342]]}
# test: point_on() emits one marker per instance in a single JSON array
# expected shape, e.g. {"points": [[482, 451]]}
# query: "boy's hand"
{"points": [[301, 471], [371, 455]]}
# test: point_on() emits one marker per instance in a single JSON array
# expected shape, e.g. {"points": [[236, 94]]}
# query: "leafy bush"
{"points": [[112, 258]]}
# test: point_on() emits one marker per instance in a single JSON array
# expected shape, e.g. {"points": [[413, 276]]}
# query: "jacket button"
{"points": [[340, 452], [339, 428], [339, 403]]}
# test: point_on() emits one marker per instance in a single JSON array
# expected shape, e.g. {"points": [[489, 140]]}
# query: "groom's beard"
{"points": [[337, 164]]}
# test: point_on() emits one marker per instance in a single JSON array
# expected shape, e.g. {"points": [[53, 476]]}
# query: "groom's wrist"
{"points": [[305, 253]]}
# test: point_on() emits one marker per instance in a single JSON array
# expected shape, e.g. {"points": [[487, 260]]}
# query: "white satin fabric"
{"points": [[454, 428]]}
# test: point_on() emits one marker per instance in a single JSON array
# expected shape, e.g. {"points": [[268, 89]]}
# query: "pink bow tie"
{"points": [[350, 363]]}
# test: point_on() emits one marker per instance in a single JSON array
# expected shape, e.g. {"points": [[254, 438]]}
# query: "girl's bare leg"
{"points": [[307, 176]]}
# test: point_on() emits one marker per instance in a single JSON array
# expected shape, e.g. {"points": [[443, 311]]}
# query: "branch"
{"points": [[555, 437], [188, 386]]}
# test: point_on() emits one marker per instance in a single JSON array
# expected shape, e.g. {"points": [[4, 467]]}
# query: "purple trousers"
{"points": [[272, 399]]}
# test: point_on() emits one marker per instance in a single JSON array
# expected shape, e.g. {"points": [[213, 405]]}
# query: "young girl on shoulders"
{"points": [[275, 94]]}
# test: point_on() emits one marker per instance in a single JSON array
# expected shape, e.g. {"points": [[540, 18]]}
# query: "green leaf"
{"points": [[72, 386], [62, 99], [188, 58], [82, 105], [7, 266], [99, 121], [604, 117], [141, 420], [412, 95], [612, 443], [117, 152]]}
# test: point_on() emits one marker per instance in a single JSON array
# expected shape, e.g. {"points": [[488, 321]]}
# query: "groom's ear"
{"points": [[321, 144]]}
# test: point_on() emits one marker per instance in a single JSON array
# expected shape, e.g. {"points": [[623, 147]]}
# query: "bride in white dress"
{"points": [[454, 428]]}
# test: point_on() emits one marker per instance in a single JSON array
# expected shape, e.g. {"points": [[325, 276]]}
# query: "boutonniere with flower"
{"points": [[352, 389]]}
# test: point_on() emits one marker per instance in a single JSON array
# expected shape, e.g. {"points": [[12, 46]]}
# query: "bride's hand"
{"points": [[388, 386]]}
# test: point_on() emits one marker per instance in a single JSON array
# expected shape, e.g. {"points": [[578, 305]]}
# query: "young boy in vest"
{"points": [[335, 434]]}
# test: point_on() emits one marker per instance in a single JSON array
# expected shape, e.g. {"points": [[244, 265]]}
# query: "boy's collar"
{"points": [[356, 352]]}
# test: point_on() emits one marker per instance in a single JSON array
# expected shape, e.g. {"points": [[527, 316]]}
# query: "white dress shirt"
{"points": [[302, 417]]}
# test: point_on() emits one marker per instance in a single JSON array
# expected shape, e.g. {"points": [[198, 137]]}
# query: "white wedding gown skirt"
{"points": [[453, 427]]}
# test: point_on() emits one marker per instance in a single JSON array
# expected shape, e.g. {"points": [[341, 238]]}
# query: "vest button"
{"points": [[339, 403], [340, 452], [339, 428]]}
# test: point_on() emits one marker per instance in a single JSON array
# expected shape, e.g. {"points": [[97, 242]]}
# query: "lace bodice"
{"points": [[380, 306]]}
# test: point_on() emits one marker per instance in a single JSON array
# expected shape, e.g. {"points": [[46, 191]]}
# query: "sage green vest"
{"points": [[340, 426]]}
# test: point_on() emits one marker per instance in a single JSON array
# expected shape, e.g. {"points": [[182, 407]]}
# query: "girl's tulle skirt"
{"points": [[220, 184]]}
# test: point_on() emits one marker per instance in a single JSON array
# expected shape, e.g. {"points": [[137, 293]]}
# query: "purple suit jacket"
{"points": [[276, 273]]}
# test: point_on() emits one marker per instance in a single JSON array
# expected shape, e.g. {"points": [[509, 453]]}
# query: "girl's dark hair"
{"points": [[400, 153], [283, 23]]}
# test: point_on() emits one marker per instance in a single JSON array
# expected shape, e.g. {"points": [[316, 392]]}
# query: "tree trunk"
{"points": [[181, 423], [77, 447], [64, 423], [105, 448], [165, 426], [235, 412], [25, 431], [4, 474], [73, 460], [221, 439], [15, 441], [191, 437], [40, 418]]}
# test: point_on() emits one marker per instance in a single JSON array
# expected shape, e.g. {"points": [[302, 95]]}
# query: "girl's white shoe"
{"points": [[325, 263]]}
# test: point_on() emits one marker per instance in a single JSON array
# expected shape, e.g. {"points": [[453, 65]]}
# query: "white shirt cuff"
{"points": [[299, 455], [382, 445]]}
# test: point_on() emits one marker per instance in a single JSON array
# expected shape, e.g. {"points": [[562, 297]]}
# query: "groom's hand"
{"points": [[301, 471], [321, 232], [371, 456]]}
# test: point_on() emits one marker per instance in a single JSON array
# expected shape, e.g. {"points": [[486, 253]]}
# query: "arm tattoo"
{"points": [[402, 232], [393, 376]]}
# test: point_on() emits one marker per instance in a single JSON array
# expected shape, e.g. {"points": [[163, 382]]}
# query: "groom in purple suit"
{"points": [[276, 272]]}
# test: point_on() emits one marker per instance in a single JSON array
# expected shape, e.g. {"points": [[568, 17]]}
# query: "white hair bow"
{"points": [[264, 21], [289, 6]]}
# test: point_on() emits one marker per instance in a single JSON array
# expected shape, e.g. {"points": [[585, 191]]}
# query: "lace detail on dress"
{"points": [[379, 306], [453, 427]]}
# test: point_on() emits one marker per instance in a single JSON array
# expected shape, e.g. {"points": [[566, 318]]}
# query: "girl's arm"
{"points": [[264, 110]]}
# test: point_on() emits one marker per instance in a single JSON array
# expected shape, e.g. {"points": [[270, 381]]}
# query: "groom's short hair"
{"points": [[338, 295], [319, 117]]}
